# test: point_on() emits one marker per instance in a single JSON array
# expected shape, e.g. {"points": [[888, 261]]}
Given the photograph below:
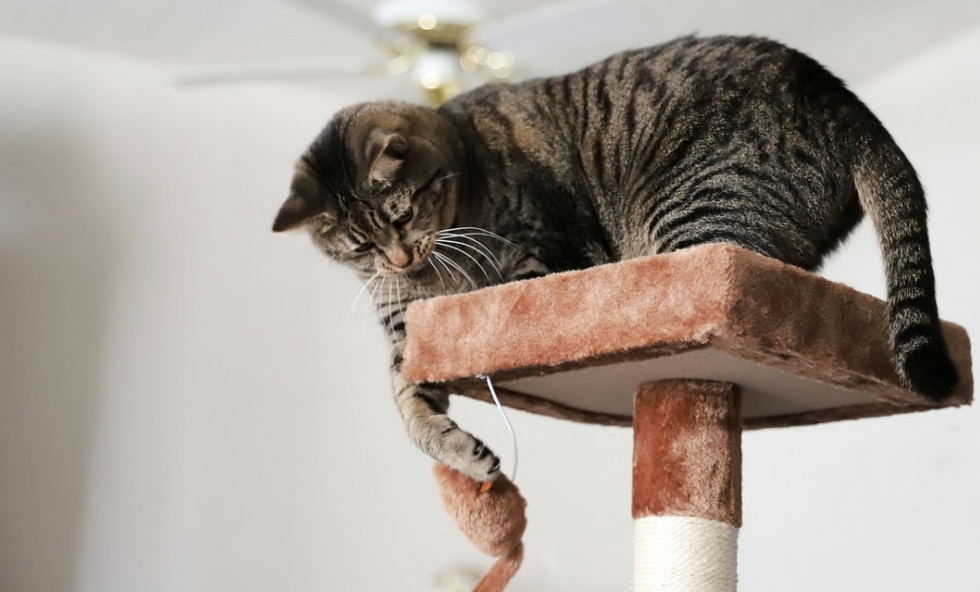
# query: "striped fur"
{"points": [[733, 139]]}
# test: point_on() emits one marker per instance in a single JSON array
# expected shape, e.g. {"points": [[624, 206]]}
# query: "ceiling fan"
{"points": [[445, 46]]}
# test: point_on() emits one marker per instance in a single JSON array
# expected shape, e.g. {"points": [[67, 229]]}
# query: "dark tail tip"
{"points": [[929, 370]]}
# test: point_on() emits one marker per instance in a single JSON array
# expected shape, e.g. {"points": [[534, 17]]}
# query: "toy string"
{"points": [[510, 428]]}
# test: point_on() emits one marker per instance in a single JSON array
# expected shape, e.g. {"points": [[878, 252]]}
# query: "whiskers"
{"points": [[386, 297], [357, 298], [391, 304], [447, 176], [459, 256], [465, 242]]}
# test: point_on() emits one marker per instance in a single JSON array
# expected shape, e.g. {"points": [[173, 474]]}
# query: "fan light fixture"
{"points": [[436, 44], [443, 46]]}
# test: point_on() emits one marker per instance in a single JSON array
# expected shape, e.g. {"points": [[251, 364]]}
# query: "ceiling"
{"points": [[855, 38]]}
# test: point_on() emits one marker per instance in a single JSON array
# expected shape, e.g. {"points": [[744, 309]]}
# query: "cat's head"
{"points": [[376, 185]]}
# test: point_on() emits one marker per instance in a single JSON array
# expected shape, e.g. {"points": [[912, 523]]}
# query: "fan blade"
{"points": [[279, 69], [565, 27], [392, 13], [343, 11]]}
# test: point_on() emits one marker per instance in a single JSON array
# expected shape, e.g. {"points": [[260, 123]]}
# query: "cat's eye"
{"points": [[403, 220], [424, 188], [363, 247]]}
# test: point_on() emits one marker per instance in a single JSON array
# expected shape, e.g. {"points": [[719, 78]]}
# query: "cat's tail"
{"points": [[892, 196]]}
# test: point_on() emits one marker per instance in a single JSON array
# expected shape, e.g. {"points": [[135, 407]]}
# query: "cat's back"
{"points": [[619, 133], [661, 89], [691, 64]]}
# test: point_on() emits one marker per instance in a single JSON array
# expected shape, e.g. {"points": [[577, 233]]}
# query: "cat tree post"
{"points": [[687, 494], [705, 342]]}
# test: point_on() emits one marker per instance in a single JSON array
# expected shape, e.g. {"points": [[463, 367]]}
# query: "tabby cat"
{"points": [[723, 139]]}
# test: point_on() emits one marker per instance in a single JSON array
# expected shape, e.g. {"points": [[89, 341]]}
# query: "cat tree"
{"points": [[690, 348]]}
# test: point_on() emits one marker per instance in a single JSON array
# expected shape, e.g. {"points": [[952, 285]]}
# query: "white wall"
{"points": [[180, 409], [892, 503]]}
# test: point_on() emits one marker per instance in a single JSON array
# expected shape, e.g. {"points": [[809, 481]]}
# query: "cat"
{"points": [[697, 140]]}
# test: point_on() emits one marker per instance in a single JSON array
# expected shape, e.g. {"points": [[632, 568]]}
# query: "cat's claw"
{"points": [[483, 464], [481, 469]]}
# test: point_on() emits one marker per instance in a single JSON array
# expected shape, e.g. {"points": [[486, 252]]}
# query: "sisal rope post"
{"points": [[687, 504]]}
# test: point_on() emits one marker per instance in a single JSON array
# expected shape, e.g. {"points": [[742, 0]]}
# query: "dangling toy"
{"points": [[492, 518]]}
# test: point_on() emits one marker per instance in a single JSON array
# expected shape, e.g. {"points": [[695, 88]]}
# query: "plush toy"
{"points": [[491, 516]]}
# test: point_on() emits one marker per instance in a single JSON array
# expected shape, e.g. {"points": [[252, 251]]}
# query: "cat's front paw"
{"points": [[466, 453]]}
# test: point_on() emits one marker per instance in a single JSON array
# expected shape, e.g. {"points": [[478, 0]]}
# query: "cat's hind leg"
{"points": [[728, 209]]}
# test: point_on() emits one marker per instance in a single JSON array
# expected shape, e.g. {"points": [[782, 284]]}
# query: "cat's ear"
{"points": [[304, 202], [294, 211], [386, 153]]}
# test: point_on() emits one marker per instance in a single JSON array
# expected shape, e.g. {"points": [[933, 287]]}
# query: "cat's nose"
{"points": [[398, 257]]}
